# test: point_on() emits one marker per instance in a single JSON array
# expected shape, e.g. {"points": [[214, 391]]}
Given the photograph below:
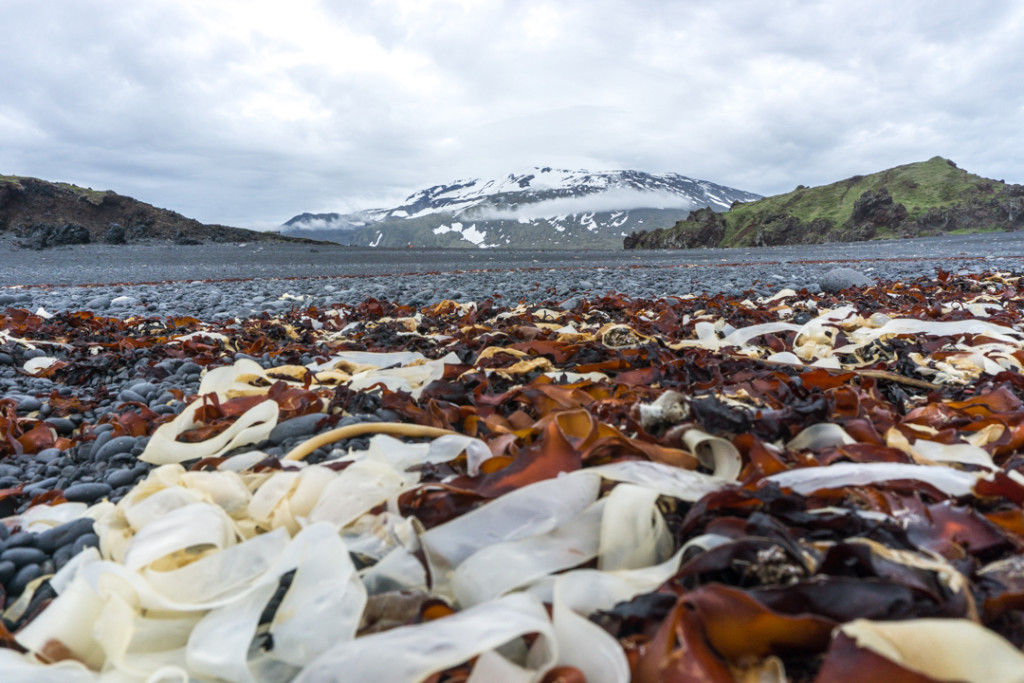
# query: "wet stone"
{"points": [[144, 389], [23, 556], [119, 478], [115, 446], [48, 455], [64, 534], [295, 427], [129, 396], [62, 556], [87, 493], [28, 404], [7, 571], [83, 542], [25, 576], [20, 539]]}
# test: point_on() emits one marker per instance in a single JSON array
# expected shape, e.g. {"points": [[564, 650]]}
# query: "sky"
{"points": [[248, 112]]}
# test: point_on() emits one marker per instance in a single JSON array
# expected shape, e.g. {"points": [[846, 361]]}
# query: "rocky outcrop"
{"points": [[872, 211], [45, 214], [779, 229], [40, 236], [702, 228]]}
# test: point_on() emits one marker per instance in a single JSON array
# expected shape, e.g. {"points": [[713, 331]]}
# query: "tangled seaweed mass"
{"points": [[804, 487]]}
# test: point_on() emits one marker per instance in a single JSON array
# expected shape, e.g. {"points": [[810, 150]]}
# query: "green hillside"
{"points": [[923, 198]]}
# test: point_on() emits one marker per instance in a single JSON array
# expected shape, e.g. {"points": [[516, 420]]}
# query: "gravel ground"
{"points": [[221, 282], [226, 280]]}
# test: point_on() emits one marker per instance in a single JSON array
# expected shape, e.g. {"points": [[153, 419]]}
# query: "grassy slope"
{"points": [[917, 186], [91, 195]]}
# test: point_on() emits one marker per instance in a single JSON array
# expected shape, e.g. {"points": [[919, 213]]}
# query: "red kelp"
{"points": [[818, 413]]}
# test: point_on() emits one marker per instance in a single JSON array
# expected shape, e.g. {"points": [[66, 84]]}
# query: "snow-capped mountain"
{"points": [[544, 208]]}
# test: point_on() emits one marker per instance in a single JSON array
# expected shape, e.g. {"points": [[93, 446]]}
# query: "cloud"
{"points": [[249, 113], [612, 200]]}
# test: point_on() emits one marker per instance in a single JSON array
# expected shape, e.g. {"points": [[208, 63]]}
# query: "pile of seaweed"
{"points": [[809, 487]]}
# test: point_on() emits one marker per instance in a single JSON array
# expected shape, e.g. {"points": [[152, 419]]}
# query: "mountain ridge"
{"points": [[542, 208]]}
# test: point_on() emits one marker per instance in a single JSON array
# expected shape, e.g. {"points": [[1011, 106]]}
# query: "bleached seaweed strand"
{"points": [[349, 431]]}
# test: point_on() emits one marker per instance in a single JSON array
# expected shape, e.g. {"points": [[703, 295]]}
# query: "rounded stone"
{"points": [[119, 478], [129, 396], [87, 493], [23, 556], [83, 542], [7, 571], [115, 446], [295, 427], [23, 578], [63, 425], [838, 279], [62, 535], [98, 303], [22, 539], [48, 455]]}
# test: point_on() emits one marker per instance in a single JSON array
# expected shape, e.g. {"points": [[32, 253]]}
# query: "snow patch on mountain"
{"points": [[543, 207]]}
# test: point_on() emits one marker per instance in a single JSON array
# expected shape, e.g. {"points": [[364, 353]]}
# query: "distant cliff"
{"points": [[915, 200], [45, 214]]}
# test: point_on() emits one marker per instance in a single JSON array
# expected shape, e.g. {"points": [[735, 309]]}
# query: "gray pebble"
{"points": [[130, 396], [63, 425], [839, 279], [119, 478], [98, 303], [119, 444], [25, 576], [48, 455], [62, 555], [83, 542], [22, 556], [62, 535], [20, 540], [295, 427], [27, 404], [7, 571], [87, 493]]}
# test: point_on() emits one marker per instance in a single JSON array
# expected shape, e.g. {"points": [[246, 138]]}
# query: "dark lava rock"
{"points": [[115, 234]]}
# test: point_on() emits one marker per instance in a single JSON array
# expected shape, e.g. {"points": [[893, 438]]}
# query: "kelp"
{"points": [[799, 487]]}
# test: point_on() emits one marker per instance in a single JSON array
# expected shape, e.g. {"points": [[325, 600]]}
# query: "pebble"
{"points": [[112, 447], [98, 303], [59, 536], [22, 556], [20, 539], [25, 576], [838, 279], [83, 542], [87, 493], [295, 427]]}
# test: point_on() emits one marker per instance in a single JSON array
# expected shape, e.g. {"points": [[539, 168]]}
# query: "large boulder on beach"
{"points": [[839, 279], [115, 234], [42, 236]]}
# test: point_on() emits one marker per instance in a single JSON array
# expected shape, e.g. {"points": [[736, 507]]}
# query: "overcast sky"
{"points": [[249, 112]]}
